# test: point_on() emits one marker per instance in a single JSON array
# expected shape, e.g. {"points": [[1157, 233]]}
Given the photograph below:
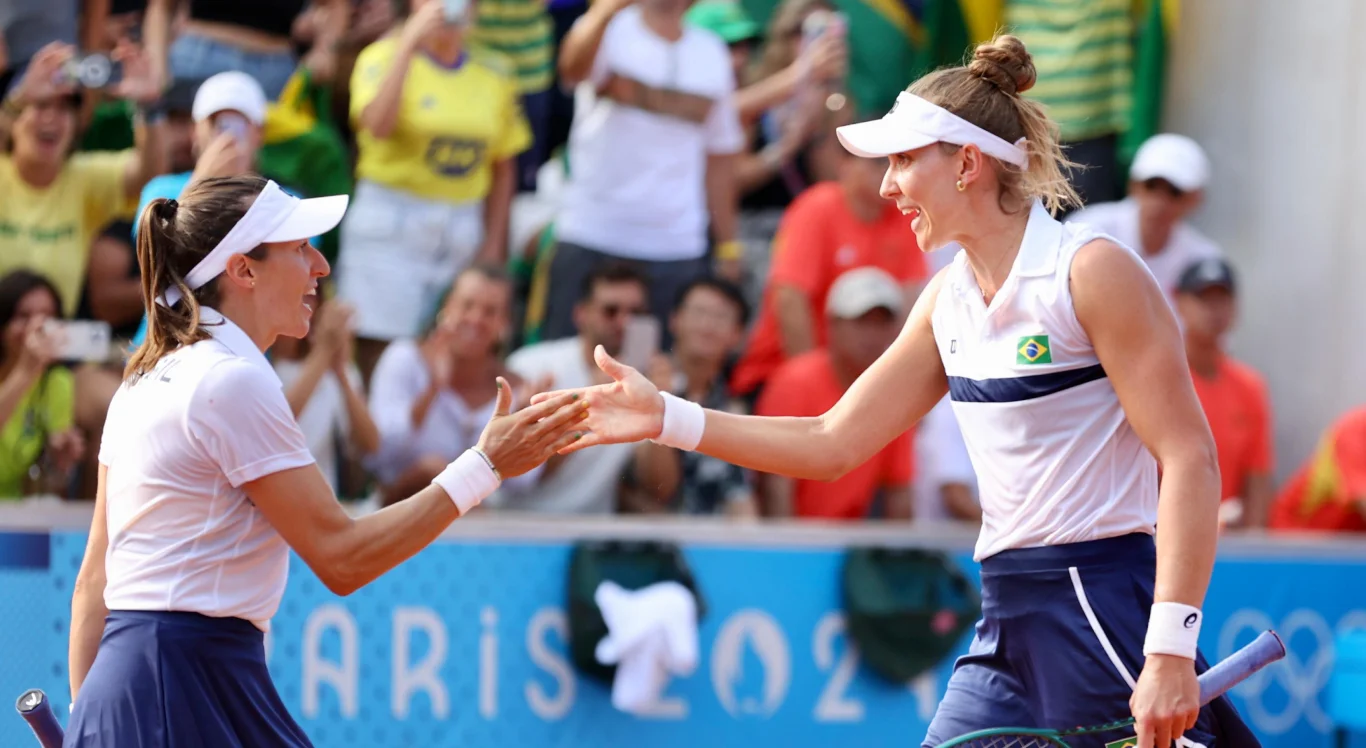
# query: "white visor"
{"points": [[915, 123], [275, 216]]}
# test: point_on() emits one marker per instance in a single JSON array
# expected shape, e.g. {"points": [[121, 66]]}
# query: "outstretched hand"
{"points": [[630, 409], [518, 442]]}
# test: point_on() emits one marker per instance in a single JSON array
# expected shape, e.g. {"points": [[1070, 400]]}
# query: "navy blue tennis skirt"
{"points": [[176, 680]]}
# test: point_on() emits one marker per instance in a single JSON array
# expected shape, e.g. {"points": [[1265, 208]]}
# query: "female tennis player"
{"points": [[206, 482], [1066, 372]]}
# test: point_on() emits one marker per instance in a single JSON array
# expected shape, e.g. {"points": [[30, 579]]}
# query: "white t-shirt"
{"points": [[1186, 246], [179, 444], [450, 427], [324, 420], [637, 186], [941, 458], [586, 482]]}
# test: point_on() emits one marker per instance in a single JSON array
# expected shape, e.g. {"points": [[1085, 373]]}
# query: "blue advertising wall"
{"points": [[465, 645]]}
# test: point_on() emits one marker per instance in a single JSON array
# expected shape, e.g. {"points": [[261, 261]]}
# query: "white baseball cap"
{"points": [[1175, 158], [233, 90], [861, 290]]}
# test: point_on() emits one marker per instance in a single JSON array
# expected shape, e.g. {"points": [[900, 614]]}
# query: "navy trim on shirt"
{"points": [[1016, 389]]}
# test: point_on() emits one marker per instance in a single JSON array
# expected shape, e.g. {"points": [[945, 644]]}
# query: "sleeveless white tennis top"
{"points": [[1056, 459]]}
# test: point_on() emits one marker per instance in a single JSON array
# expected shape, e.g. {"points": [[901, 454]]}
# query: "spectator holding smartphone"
{"points": [[439, 126], [55, 202], [38, 444]]}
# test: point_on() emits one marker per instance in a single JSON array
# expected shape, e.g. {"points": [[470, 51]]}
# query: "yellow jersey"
{"points": [[49, 231], [453, 124]]}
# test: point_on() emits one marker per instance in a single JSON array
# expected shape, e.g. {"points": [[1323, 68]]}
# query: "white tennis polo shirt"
{"points": [[179, 443], [1056, 459]]}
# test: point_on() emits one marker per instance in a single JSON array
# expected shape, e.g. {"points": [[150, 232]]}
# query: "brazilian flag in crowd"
{"points": [[303, 148], [900, 40]]}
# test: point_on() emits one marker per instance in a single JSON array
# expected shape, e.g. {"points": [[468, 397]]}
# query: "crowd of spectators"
{"points": [[696, 218]]}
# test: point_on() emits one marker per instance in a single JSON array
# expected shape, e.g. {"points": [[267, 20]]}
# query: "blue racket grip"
{"points": [[34, 707], [1237, 667]]}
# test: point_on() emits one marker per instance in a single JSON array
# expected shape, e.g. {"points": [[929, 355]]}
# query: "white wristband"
{"points": [[683, 423], [468, 481], [1173, 629]]}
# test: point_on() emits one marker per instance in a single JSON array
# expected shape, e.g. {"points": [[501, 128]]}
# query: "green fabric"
{"points": [[1150, 69], [893, 46], [906, 609], [724, 18], [46, 409], [303, 147], [633, 565], [111, 127]]}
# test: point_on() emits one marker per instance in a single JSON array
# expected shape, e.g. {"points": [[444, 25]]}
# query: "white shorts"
{"points": [[398, 256]]}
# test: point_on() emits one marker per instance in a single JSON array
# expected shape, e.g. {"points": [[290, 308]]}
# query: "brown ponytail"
{"points": [[986, 92], [173, 236]]}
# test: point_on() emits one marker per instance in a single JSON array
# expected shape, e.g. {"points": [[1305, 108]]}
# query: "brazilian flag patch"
{"points": [[1034, 350], [1130, 742]]}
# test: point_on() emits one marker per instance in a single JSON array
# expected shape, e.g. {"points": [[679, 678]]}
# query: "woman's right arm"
{"points": [[87, 597], [886, 400], [580, 46]]}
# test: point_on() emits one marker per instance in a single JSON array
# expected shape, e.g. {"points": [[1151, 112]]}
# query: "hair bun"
{"points": [[1006, 63]]}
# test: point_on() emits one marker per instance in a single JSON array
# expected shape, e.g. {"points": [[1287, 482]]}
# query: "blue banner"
{"points": [[466, 645]]}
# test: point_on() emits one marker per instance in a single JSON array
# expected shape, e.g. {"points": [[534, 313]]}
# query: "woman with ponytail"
{"points": [[1064, 367], [206, 482]]}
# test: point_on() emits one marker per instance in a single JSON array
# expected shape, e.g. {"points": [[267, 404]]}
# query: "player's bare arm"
{"points": [[1137, 341], [889, 398], [87, 597]]}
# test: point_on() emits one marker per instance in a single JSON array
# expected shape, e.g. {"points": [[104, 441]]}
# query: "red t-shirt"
{"points": [[1239, 414], [806, 386], [1327, 491], [818, 240]]}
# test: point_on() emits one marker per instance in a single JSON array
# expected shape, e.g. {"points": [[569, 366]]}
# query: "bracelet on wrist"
{"points": [[731, 249], [488, 461]]}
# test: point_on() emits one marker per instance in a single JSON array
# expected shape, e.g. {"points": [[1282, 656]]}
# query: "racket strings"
{"points": [[1012, 741]]}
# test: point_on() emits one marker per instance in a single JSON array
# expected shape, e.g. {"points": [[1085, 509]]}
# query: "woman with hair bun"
{"points": [[206, 482], [1062, 361]]}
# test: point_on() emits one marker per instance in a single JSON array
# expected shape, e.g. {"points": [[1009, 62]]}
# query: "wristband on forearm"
{"points": [[684, 421], [469, 480], [1173, 629]]}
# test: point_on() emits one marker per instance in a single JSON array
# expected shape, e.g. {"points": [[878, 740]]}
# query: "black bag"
{"points": [[631, 564], [906, 609]]}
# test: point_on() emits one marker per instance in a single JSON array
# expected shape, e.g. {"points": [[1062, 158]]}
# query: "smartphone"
{"points": [[232, 123], [84, 340], [641, 343], [93, 71], [456, 11]]}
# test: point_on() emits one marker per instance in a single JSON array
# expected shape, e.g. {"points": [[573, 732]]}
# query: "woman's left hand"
{"points": [[517, 443], [66, 448], [140, 83]]}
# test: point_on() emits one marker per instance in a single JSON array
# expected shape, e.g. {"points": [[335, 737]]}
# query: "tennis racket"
{"points": [[1215, 682], [34, 707]]}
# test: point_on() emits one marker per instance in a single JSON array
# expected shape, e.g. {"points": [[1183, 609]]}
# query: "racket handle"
{"points": [[1237, 667], [34, 707]]}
